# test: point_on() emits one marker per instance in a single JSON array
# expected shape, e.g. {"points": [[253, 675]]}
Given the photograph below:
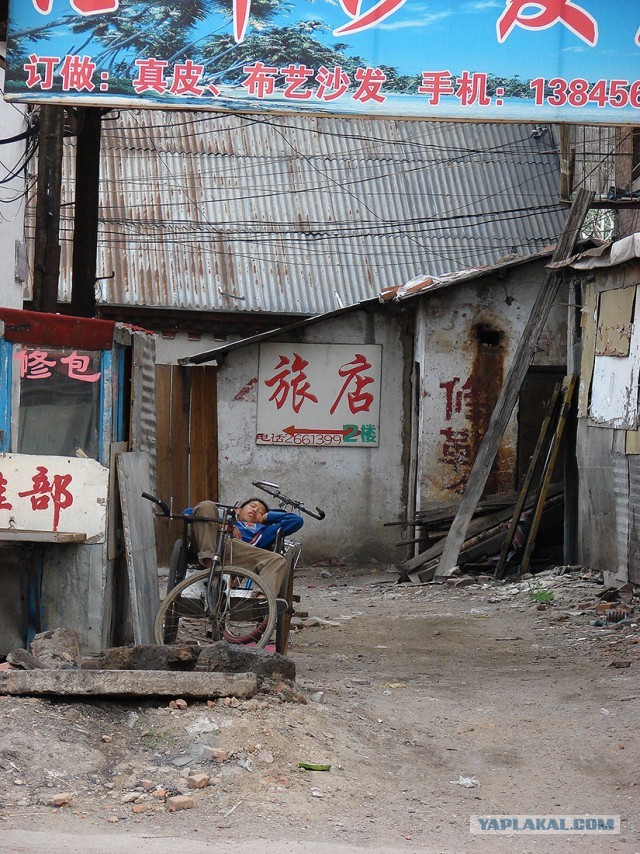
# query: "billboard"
{"points": [[575, 61]]}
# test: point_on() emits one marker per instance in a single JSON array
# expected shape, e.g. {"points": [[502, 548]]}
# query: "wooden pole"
{"points": [[85, 224], [47, 237], [511, 388]]}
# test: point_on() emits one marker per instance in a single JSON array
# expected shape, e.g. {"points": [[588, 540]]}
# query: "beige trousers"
{"points": [[270, 566]]}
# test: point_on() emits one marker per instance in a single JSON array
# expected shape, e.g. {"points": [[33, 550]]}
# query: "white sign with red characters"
{"points": [[319, 394], [56, 494]]}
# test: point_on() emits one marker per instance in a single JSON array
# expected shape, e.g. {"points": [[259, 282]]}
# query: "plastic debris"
{"points": [[467, 782]]}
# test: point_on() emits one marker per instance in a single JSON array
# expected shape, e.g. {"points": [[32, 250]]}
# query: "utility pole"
{"points": [[85, 225], [47, 237]]}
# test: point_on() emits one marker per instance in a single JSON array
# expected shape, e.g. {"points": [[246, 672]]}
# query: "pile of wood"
{"points": [[485, 534]]}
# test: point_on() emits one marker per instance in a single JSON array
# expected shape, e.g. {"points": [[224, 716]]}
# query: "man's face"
{"points": [[252, 512]]}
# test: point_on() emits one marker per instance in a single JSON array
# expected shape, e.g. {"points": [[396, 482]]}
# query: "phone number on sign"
{"points": [[298, 439], [581, 93]]}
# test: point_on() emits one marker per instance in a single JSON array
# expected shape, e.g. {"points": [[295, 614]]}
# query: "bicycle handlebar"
{"points": [[273, 489], [189, 517]]}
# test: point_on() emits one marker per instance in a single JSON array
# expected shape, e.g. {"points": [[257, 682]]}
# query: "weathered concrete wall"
{"points": [[76, 592], [12, 123], [358, 488], [465, 342], [179, 346]]}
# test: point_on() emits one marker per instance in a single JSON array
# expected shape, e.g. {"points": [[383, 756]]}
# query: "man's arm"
{"points": [[288, 522]]}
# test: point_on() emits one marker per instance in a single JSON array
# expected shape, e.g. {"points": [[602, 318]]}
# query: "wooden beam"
{"points": [[511, 388], [46, 262]]}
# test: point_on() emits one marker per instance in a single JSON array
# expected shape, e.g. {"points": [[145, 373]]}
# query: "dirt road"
{"points": [[430, 705]]}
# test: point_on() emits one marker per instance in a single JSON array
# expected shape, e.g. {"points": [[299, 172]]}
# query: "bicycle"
{"points": [[226, 602], [223, 602]]}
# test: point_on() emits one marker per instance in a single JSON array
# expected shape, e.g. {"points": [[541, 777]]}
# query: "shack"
{"points": [[605, 350], [377, 409], [74, 394]]}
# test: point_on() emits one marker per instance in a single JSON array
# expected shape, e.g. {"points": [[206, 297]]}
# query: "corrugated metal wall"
{"points": [[304, 214]]}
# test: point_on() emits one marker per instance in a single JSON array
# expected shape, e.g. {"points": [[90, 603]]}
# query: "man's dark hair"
{"points": [[255, 498]]}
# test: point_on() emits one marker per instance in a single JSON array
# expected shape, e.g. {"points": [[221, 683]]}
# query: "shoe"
{"points": [[282, 606]]}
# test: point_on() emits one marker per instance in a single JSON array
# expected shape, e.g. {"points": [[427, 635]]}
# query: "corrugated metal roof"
{"points": [[303, 214], [416, 287], [425, 284]]}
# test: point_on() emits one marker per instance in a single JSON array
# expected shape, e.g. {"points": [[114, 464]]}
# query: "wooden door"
{"points": [[187, 443], [536, 390]]}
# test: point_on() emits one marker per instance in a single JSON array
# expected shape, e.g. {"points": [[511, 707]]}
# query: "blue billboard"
{"points": [[575, 61]]}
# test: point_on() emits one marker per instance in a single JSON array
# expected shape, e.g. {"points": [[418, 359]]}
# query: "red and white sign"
{"points": [[319, 394], [56, 494]]}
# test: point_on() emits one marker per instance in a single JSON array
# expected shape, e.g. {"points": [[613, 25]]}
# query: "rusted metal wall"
{"points": [[466, 339], [608, 452]]}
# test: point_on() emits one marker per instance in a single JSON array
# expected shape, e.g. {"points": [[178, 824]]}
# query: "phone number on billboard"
{"points": [[581, 93]]}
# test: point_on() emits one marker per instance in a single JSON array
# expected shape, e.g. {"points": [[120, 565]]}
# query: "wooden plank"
{"points": [[511, 388], [535, 457], [487, 542], [179, 447], [163, 456], [113, 501], [11, 535], [203, 442], [476, 527], [615, 312], [588, 324], [137, 520], [568, 387]]}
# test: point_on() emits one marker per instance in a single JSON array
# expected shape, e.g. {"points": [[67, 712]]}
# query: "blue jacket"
{"points": [[264, 535]]}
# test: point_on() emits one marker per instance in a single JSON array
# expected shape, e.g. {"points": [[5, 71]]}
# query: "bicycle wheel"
{"points": [[252, 609], [240, 609], [177, 565]]}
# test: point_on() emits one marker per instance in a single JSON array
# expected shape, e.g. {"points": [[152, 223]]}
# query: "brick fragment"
{"points": [[180, 802], [198, 781]]}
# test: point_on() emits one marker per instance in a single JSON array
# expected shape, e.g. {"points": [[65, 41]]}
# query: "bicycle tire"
{"points": [[177, 564], [183, 618]]}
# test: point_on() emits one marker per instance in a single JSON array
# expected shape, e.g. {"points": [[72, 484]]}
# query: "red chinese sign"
{"points": [[46, 492], [37, 364], [317, 394], [54, 494]]}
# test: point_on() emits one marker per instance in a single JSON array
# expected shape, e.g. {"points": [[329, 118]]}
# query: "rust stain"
{"points": [[487, 374], [246, 389]]}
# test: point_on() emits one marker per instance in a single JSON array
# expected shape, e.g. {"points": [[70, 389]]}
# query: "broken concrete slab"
{"points": [[234, 658], [143, 657], [216, 657], [128, 683]]}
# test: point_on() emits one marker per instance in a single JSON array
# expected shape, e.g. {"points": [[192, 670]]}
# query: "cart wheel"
{"points": [[283, 623]]}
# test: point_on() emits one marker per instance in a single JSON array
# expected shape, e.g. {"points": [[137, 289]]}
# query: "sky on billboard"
{"points": [[550, 60]]}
